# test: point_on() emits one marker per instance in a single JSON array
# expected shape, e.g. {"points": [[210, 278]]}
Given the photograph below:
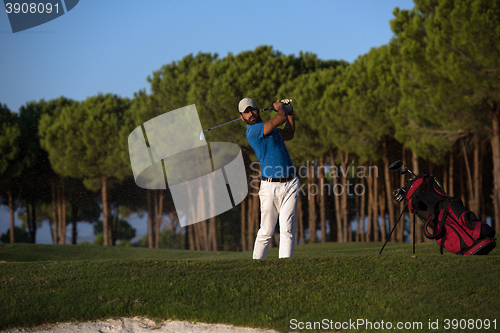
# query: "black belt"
{"points": [[279, 180]]}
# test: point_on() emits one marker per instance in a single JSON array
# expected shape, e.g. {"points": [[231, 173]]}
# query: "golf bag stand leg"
{"points": [[413, 234], [399, 218]]}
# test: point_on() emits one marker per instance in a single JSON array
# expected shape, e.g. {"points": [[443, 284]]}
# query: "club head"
{"points": [[399, 194], [402, 172], [202, 136], [396, 165]]}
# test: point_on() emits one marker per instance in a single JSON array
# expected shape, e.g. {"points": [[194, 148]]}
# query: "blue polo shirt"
{"points": [[274, 159]]}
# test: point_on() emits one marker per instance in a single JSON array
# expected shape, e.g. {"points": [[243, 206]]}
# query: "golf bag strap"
{"points": [[443, 219], [442, 229], [440, 220], [442, 243]]}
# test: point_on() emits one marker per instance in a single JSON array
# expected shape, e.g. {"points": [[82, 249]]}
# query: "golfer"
{"points": [[279, 189]]}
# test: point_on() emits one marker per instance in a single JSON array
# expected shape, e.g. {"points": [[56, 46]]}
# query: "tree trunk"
{"points": [[74, 218], [213, 234], [356, 197], [445, 177], [155, 225], [477, 177], [256, 209], [191, 237], [59, 214], [321, 196], [55, 219], [336, 200], [150, 219], [62, 212], [297, 229], [400, 229], [369, 235], [243, 225], [300, 219], [389, 189], [249, 233], [159, 216], [495, 148], [312, 204], [376, 228], [105, 211], [430, 165], [204, 231], [469, 184], [450, 176], [253, 211], [197, 236], [415, 165], [330, 214], [251, 221], [33, 236], [11, 212], [31, 219], [462, 189], [362, 212], [418, 230], [12, 209], [345, 200], [159, 220], [63, 197], [382, 207]]}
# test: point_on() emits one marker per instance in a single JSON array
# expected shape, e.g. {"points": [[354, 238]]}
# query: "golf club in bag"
{"points": [[445, 218]]}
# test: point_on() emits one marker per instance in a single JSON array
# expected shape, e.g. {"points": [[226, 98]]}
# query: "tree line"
{"points": [[429, 97]]}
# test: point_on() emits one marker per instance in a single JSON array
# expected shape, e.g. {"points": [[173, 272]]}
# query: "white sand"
{"points": [[140, 325]]}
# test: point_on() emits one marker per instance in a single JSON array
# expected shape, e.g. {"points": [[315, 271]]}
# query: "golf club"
{"points": [[202, 136], [399, 195], [397, 165]]}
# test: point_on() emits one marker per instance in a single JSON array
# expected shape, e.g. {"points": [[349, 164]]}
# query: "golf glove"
{"points": [[287, 105]]}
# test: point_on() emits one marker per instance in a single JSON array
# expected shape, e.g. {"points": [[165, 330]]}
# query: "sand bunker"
{"points": [[140, 325]]}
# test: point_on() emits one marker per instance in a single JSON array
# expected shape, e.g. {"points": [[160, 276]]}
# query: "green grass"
{"points": [[339, 282]]}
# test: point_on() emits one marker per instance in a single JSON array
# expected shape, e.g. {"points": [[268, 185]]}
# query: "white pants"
{"points": [[278, 201]]}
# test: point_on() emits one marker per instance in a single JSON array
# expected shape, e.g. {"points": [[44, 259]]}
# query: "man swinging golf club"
{"points": [[279, 189]]}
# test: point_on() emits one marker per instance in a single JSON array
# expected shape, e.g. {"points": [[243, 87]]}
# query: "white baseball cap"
{"points": [[246, 102]]}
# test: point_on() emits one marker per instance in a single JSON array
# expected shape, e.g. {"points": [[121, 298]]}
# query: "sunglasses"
{"points": [[249, 109]]}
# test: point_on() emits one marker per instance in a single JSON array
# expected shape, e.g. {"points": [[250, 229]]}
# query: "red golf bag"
{"points": [[446, 219]]}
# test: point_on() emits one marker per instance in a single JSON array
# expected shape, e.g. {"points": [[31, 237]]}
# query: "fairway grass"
{"points": [[336, 282]]}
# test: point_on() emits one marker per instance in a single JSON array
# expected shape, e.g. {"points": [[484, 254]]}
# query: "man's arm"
{"points": [[279, 119], [289, 130]]}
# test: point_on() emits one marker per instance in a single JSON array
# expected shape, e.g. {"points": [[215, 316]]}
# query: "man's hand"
{"points": [[278, 106], [288, 131], [287, 106]]}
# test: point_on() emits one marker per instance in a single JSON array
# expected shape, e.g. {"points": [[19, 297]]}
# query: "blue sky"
{"points": [[112, 46]]}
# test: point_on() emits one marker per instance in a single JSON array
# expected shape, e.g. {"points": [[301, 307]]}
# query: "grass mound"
{"points": [[323, 283]]}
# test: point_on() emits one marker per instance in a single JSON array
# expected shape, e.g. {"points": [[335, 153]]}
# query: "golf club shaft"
{"points": [[232, 121], [414, 175], [393, 229]]}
